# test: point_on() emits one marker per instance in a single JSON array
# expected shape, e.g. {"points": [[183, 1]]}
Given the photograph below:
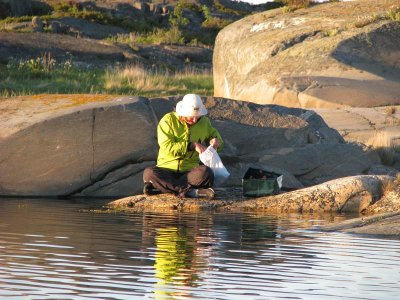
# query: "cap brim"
{"points": [[184, 112]]}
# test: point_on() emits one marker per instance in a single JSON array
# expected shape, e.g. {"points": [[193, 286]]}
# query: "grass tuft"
{"points": [[394, 13], [363, 21], [381, 142], [390, 110]]}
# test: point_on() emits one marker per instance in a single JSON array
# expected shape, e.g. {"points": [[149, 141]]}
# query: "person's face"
{"points": [[191, 120]]}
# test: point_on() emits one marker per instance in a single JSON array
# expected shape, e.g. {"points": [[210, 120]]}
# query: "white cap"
{"points": [[191, 106]]}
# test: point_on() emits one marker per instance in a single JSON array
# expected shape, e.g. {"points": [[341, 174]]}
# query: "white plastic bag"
{"points": [[211, 159]]}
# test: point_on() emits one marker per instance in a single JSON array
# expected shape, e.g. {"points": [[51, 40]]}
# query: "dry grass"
{"points": [[296, 4], [397, 181], [363, 21], [46, 76], [394, 13], [381, 142], [380, 139], [143, 80], [391, 185], [390, 110], [332, 32]]}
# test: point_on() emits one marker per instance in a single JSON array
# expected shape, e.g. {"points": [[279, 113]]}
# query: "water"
{"points": [[54, 249]]}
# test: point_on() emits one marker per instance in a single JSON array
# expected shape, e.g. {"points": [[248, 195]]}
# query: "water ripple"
{"points": [[50, 250]]}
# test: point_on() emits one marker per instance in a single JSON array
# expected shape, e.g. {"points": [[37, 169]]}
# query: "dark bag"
{"points": [[258, 182]]}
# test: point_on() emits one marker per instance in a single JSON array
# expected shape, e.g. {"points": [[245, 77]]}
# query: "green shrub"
{"points": [[206, 12], [216, 23], [40, 67], [162, 36], [176, 19], [142, 24], [183, 4], [205, 37], [73, 9], [219, 6], [93, 16]]}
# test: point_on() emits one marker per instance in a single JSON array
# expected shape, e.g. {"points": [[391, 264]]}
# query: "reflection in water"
{"points": [[183, 247], [173, 261], [50, 249]]}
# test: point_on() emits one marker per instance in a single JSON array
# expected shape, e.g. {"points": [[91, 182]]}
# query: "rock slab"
{"points": [[64, 153], [99, 145], [329, 55], [383, 225], [350, 194]]}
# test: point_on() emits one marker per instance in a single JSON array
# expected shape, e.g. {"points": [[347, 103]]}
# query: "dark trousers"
{"points": [[168, 181]]}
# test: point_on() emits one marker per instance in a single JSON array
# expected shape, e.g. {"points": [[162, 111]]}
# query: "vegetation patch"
{"points": [[382, 143], [390, 110], [160, 36], [75, 10], [220, 7], [394, 13], [180, 27], [44, 75], [363, 21], [179, 31], [292, 5], [139, 81], [213, 22]]}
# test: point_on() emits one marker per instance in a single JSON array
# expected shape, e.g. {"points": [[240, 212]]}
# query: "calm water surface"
{"points": [[54, 249]]}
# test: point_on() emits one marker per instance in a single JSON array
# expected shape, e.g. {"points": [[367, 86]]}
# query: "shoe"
{"points": [[205, 193], [148, 189]]}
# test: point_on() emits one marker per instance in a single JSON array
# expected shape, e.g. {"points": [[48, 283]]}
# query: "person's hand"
{"points": [[215, 143], [199, 147]]}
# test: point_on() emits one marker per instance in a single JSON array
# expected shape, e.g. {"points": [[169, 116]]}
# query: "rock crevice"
{"points": [[292, 42]]}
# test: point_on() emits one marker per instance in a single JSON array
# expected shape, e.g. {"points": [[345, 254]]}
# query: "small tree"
{"points": [[176, 19]]}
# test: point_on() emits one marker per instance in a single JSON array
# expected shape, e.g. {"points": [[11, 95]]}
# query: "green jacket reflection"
{"points": [[174, 137]]}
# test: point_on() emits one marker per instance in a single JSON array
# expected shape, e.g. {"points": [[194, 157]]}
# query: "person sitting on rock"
{"points": [[182, 135]]}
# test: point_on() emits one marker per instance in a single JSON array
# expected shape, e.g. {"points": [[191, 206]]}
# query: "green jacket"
{"points": [[174, 138]]}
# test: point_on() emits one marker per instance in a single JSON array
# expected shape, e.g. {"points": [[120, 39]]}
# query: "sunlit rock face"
{"points": [[328, 55], [60, 145]]}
